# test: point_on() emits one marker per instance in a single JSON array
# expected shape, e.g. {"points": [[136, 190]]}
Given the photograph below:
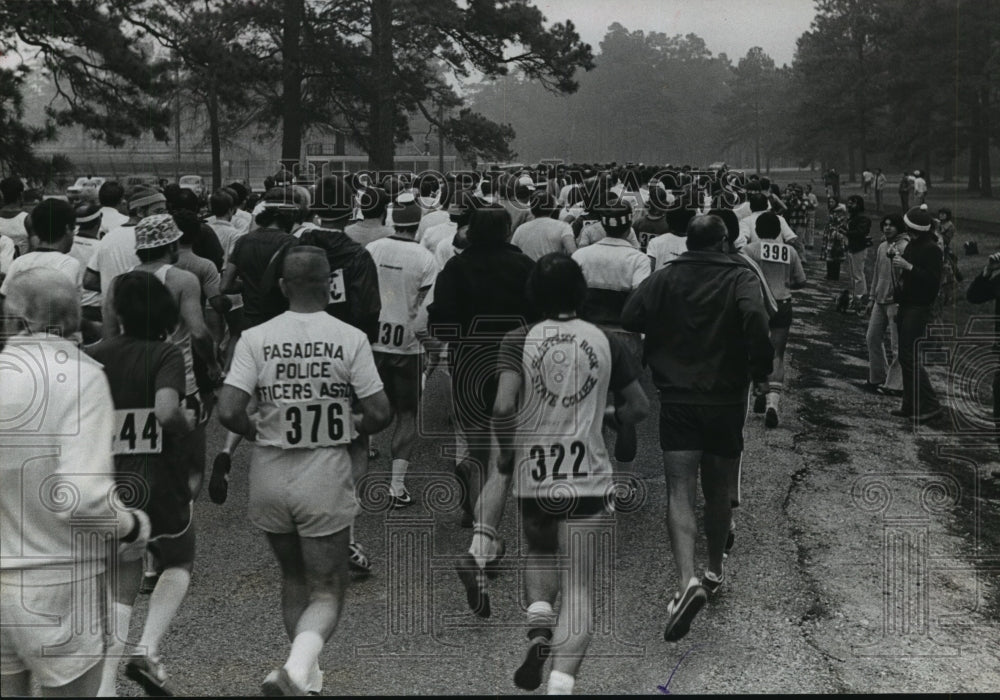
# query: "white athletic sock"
{"points": [[315, 684], [109, 676], [304, 655], [561, 683], [164, 602], [540, 614], [484, 546], [399, 467]]}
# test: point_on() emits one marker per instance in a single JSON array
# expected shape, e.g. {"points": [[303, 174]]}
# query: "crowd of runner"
{"points": [[312, 319]]}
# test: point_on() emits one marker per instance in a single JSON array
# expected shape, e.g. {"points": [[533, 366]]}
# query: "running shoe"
{"points": [[771, 418], [148, 672], [730, 541], [710, 582], [759, 403], [528, 676], [218, 485], [402, 500], [900, 413], [358, 563], [474, 580], [278, 684], [870, 388], [682, 610], [372, 453]]}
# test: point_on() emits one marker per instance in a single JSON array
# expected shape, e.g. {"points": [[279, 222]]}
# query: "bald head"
{"points": [[706, 232], [305, 278], [44, 300]]}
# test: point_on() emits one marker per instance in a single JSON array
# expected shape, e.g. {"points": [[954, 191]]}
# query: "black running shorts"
{"points": [[539, 517], [783, 317], [401, 375], [717, 430]]}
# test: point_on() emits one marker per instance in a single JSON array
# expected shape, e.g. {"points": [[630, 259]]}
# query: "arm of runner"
{"points": [[91, 280], [201, 339], [756, 334], [231, 284], [169, 413], [798, 274], [634, 311], [109, 325], [568, 240], [233, 404], [376, 414]]}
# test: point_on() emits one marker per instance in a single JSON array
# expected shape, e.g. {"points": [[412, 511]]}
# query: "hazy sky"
{"points": [[730, 26]]}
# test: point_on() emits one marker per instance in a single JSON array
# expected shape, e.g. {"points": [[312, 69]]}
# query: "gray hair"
{"points": [[44, 301]]}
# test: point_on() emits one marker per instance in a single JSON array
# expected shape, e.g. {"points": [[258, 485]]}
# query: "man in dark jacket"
{"points": [[859, 228], [706, 337], [986, 287], [479, 296], [920, 280], [354, 292]]}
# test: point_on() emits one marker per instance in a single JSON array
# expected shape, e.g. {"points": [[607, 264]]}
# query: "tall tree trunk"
{"points": [[214, 136], [291, 83], [985, 175], [756, 134], [382, 146]]}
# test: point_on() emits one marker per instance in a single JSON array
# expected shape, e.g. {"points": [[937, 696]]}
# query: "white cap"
{"points": [[526, 181]]}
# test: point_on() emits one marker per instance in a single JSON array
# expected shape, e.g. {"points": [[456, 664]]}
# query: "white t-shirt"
{"points": [[83, 250], [748, 230], [431, 218], [593, 231], [405, 268], [242, 220], [111, 219], [539, 237], [49, 259], [15, 230], [115, 255], [919, 185], [7, 250], [565, 368], [304, 369], [228, 235], [664, 248], [435, 234]]}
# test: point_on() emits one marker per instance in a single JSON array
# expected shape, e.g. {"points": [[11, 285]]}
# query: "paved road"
{"points": [[815, 599]]}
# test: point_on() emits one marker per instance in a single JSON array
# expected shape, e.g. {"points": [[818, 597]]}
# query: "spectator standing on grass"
{"points": [[867, 180], [859, 240], [920, 282], [905, 187], [919, 187], [834, 237], [811, 204], [950, 274], [880, 181], [885, 378]]}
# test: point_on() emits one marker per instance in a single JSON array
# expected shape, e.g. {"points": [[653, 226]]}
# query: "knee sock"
{"points": [[561, 683], [303, 657], [399, 467], [163, 604], [123, 616], [774, 395], [541, 620], [484, 544]]}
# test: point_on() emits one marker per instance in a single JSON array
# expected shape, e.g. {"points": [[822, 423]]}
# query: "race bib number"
{"points": [[558, 461], [644, 238], [316, 424], [391, 335], [137, 432], [338, 290], [775, 252]]}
